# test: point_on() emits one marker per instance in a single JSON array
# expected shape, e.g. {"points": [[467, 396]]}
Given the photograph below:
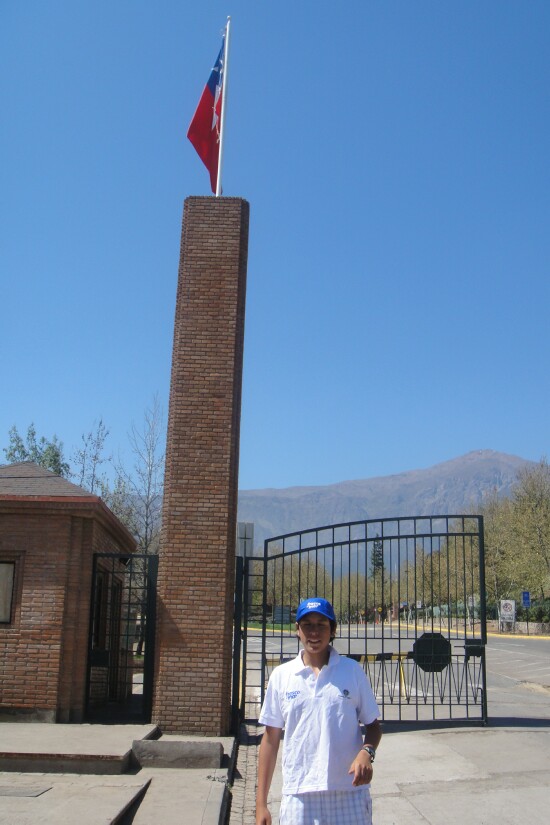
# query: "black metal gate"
{"points": [[122, 637], [409, 596]]}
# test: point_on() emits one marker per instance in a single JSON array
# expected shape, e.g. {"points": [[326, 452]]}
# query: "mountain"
{"points": [[452, 487]]}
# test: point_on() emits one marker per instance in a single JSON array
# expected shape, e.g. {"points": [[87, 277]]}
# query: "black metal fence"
{"points": [[122, 636], [409, 596]]}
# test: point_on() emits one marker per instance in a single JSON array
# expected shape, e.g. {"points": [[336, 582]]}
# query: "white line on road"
{"points": [[512, 644], [501, 648], [497, 673]]}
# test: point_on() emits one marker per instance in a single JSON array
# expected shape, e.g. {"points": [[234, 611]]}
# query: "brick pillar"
{"points": [[199, 517]]}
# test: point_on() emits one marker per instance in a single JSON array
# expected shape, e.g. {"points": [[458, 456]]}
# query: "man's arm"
{"points": [[361, 767], [373, 734], [267, 760]]}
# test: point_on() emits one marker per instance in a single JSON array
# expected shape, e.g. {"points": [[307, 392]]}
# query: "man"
{"points": [[320, 699]]}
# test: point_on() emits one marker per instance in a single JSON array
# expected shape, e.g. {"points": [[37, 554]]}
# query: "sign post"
{"points": [[507, 612], [526, 602]]}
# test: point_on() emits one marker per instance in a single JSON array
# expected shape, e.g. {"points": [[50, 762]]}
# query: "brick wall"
{"points": [[197, 554], [30, 646], [43, 650]]}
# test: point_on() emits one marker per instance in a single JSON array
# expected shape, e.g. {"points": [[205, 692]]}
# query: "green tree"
{"points": [[379, 580], [42, 451], [500, 567], [517, 537], [377, 557], [531, 502], [295, 577], [351, 597]]}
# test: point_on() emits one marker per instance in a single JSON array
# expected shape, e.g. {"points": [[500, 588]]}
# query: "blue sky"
{"points": [[396, 159]]}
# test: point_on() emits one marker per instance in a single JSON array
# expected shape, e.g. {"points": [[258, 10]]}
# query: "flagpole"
{"points": [[224, 94]]}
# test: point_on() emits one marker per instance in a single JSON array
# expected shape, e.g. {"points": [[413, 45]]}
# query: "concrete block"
{"points": [[178, 754]]}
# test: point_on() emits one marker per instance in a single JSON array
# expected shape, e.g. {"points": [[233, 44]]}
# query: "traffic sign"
{"points": [[526, 598]]}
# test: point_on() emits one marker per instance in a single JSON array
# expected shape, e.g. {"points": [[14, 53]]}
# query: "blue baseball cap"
{"points": [[315, 605]]}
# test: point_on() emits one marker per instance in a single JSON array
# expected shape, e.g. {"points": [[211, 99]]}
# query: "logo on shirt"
{"points": [[344, 694], [292, 694]]}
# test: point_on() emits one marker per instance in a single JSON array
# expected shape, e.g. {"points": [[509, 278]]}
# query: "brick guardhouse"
{"points": [[50, 530]]}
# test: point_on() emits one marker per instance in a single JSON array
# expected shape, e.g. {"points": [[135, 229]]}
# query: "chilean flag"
{"points": [[204, 131]]}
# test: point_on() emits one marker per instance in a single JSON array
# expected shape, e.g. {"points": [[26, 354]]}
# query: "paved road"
{"points": [[518, 678], [518, 669], [518, 659]]}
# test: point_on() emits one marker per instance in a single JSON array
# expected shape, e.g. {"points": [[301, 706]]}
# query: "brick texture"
{"points": [[197, 552], [44, 648]]}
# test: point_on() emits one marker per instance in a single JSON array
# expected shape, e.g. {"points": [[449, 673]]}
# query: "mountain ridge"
{"points": [[449, 487]]}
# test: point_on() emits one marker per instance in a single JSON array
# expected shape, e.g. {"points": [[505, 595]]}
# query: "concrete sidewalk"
{"points": [[476, 775], [445, 776], [87, 774], [439, 777], [448, 777]]}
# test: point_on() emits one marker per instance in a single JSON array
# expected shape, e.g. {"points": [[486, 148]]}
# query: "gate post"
{"points": [[237, 636], [199, 517]]}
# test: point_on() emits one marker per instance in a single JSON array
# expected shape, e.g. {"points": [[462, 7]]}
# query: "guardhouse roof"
{"points": [[28, 479], [25, 485]]}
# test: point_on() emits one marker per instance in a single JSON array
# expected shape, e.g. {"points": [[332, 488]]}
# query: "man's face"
{"points": [[314, 632]]}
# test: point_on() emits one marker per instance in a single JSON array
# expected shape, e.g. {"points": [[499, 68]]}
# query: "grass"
{"points": [[258, 626]]}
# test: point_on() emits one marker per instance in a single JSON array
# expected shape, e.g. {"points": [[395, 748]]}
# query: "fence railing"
{"points": [[409, 596]]}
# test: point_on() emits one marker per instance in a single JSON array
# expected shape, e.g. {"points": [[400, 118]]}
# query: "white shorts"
{"points": [[327, 808]]}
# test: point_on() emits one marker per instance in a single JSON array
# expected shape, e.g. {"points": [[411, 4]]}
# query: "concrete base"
{"points": [[177, 754], [66, 763], [184, 797], [84, 749]]}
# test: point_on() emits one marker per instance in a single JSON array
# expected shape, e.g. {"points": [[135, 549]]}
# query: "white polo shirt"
{"points": [[321, 718]]}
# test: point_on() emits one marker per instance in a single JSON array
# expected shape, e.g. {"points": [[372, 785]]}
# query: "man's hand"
{"points": [[361, 768], [263, 817]]}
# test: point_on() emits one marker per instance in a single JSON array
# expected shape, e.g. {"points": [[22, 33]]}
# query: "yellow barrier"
{"points": [[388, 657]]}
